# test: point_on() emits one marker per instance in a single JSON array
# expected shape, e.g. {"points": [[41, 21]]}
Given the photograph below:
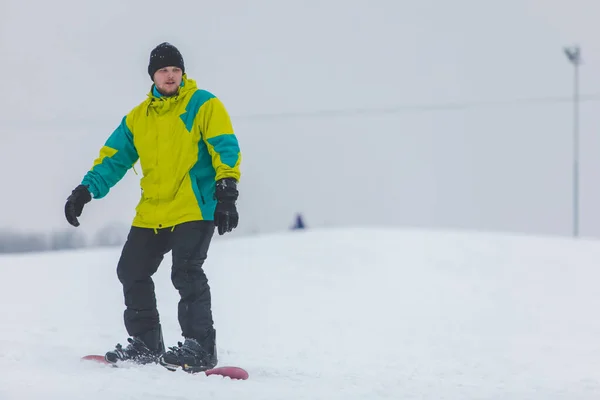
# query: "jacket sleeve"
{"points": [[116, 157], [218, 135]]}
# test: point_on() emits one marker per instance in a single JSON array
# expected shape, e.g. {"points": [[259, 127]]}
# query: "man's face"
{"points": [[168, 80]]}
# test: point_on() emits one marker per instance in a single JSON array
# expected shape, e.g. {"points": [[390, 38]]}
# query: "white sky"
{"points": [[72, 69]]}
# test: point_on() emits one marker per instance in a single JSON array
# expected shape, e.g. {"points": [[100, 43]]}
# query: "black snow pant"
{"points": [[141, 256]]}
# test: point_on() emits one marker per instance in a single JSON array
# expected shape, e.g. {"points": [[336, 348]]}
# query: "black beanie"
{"points": [[164, 55]]}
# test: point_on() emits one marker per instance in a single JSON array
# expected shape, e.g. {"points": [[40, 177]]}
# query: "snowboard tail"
{"points": [[226, 371]]}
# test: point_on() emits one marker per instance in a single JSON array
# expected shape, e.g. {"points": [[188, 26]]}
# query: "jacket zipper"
{"points": [[157, 181]]}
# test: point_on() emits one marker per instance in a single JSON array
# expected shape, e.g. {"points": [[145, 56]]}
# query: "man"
{"points": [[190, 161]]}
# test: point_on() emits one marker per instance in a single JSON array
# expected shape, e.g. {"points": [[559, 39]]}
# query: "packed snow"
{"points": [[362, 313]]}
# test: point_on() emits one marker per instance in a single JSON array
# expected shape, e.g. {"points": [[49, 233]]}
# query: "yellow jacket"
{"points": [[184, 143]]}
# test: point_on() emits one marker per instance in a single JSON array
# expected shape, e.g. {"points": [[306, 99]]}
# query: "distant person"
{"points": [[298, 223], [190, 161]]}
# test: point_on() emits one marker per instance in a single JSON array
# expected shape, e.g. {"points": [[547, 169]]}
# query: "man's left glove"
{"points": [[226, 215], [75, 202]]}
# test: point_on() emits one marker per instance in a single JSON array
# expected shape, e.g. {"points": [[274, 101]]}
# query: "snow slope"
{"points": [[329, 314]]}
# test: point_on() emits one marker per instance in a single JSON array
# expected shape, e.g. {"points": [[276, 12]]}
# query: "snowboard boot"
{"points": [[142, 349], [192, 355]]}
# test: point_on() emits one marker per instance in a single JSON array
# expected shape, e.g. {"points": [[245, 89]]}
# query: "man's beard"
{"points": [[166, 93]]}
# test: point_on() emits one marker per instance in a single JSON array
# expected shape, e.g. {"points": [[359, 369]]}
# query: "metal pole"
{"points": [[576, 148], [574, 56]]}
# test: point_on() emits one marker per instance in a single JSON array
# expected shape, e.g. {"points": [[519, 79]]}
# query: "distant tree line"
{"points": [[113, 234], [24, 242]]}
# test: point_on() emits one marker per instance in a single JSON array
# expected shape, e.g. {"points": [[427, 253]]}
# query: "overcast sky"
{"points": [[71, 70]]}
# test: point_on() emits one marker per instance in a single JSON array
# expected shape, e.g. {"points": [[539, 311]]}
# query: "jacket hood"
{"points": [[162, 104]]}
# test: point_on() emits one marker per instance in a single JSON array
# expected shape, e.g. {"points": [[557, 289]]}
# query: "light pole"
{"points": [[574, 56]]}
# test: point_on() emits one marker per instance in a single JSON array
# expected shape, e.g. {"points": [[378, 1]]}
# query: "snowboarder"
{"points": [[190, 162]]}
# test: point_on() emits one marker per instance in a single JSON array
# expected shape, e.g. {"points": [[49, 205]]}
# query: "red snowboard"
{"points": [[228, 372]]}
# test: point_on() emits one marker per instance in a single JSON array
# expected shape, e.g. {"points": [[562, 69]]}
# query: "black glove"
{"points": [[226, 215], [75, 202]]}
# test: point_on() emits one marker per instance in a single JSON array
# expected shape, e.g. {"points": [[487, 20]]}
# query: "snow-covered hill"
{"points": [[325, 314]]}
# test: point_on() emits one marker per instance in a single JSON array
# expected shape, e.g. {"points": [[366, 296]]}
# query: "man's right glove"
{"points": [[226, 215], [75, 202]]}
